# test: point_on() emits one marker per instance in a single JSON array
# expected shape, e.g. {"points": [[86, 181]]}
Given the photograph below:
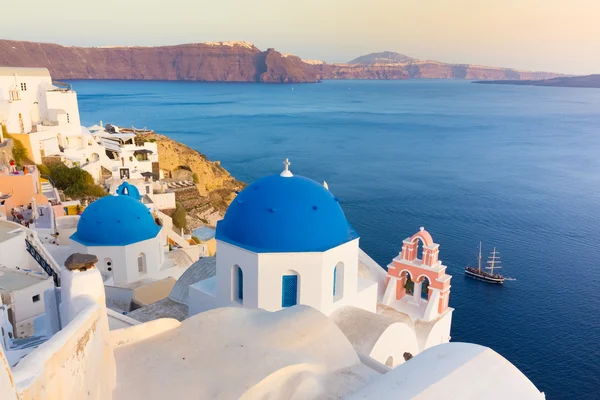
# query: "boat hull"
{"points": [[484, 278]]}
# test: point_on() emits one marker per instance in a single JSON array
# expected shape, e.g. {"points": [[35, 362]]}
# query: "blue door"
{"points": [[289, 293]]}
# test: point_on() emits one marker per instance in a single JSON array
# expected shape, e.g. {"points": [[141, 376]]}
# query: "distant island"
{"points": [[587, 81], [233, 62]]}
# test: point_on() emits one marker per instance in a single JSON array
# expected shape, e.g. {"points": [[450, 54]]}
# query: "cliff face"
{"points": [[215, 190], [211, 62], [424, 70], [231, 62]]}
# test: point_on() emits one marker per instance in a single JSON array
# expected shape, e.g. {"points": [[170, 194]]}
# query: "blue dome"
{"points": [[125, 189], [115, 221], [285, 214]]}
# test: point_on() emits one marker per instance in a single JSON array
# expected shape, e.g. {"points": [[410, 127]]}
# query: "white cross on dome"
{"points": [[286, 172]]}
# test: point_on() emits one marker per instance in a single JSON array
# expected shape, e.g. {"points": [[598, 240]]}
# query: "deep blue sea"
{"points": [[516, 167]]}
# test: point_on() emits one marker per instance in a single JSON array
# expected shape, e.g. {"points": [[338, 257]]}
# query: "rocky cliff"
{"points": [[210, 62], [215, 187], [232, 62]]}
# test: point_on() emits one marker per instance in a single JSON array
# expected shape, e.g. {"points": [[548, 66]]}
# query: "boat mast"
{"points": [[493, 259]]}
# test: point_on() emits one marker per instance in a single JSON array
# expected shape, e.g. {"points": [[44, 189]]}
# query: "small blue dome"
{"points": [[115, 221], [125, 189], [285, 214]]}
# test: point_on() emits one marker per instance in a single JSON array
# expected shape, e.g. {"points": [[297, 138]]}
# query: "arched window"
{"points": [[237, 281], [420, 245], [409, 285], [290, 284], [425, 288], [142, 263], [338, 281]]}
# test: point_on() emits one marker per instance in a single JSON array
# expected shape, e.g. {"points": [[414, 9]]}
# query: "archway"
{"points": [[409, 285], [424, 282], [290, 289]]}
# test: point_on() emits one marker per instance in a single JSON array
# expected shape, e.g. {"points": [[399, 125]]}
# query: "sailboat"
{"points": [[493, 263]]}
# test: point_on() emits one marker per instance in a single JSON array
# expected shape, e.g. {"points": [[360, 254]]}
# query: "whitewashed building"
{"points": [[285, 241], [31, 103], [22, 293]]}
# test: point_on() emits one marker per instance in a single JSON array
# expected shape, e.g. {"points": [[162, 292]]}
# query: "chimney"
{"points": [[81, 285]]}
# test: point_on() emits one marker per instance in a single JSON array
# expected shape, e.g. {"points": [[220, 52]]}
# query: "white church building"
{"points": [[123, 234], [285, 241]]}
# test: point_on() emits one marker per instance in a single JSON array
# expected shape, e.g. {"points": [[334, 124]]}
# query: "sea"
{"points": [[515, 167]]}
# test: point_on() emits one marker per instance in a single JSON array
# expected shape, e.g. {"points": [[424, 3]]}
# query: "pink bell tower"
{"points": [[418, 286]]}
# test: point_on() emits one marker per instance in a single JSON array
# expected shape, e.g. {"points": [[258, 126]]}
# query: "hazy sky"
{"points": [[551, 35]]}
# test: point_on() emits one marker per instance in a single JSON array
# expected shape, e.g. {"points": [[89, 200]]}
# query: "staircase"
{"points": [[49, 191], [44, 259]]}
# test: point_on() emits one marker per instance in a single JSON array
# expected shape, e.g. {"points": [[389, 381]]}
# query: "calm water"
{"points": [[516, 167]]}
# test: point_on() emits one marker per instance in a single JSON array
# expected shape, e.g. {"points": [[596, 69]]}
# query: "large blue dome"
{"points": [[115, 221], [285, 214]]}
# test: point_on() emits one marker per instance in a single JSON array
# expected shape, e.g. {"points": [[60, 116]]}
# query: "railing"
{"points": [[38, 255]]}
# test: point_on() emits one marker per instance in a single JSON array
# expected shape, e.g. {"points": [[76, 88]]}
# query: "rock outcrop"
{"points": [[215, 188], [231, 62]]}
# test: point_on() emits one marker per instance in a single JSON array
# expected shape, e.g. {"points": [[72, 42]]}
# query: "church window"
{"points": [[35, 298], [142, 263], [289, 293], [68, 119], [338, 281], [238, 283], [23, 86]]}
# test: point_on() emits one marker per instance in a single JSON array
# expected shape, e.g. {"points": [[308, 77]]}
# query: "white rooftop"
{"points": [[12, 279], [229, 353], [453, 371]]}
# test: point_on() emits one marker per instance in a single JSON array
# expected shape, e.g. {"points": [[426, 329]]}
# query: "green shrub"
{"points": [[75, 182], [4, 130], [179, 216], [195, 239], [195, 177]]}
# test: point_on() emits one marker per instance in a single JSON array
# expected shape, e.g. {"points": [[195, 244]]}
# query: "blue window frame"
{"points": [[240, 288], [289, 293]]}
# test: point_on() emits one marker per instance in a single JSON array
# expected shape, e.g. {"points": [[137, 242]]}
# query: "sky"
{"points": [[543, 35]]}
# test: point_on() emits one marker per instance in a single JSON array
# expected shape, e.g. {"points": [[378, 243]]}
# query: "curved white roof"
{"points": [[453, 371]]}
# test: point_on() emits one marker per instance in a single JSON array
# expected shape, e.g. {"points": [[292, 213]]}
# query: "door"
{"points": [[289, 294]]}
